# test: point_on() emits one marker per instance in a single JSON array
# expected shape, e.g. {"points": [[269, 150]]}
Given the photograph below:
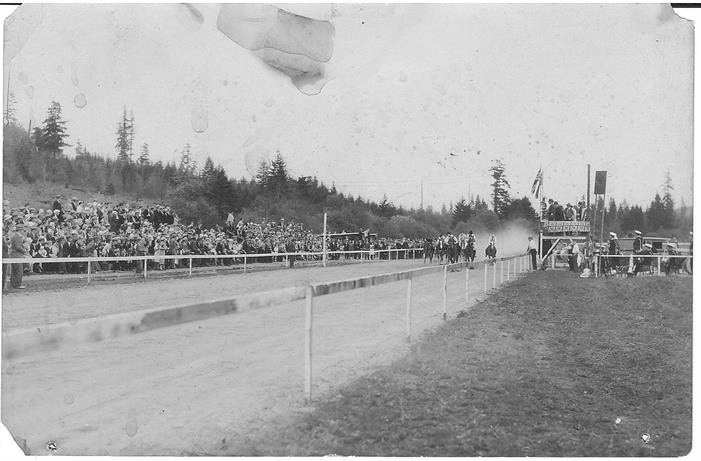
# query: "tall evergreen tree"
{"points": [[386, 208], [656, 214], [49, 138], [130, 136], [462, 211], [668, 201], [500, 187], [124, 139], [188, 166], [54, 131], [208, 171], [263, 174], [278, 177], [144, 156], [9, 114]]}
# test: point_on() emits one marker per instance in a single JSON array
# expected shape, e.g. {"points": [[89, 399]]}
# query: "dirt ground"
{"points": [[207, 386]]}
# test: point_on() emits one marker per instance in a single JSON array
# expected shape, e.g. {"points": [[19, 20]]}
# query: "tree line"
{"points": [[207, 194]]}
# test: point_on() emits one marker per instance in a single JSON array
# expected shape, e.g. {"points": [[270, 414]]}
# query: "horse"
{"points": [[469, 252], [491, 252], [429, 250], [441, 249], [453, 251]]}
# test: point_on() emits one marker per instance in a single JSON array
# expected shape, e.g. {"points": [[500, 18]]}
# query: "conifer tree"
{"points": [[500, 187]]}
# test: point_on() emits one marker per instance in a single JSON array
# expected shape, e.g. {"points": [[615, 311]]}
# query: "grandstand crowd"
{"points": [[76, 230]]}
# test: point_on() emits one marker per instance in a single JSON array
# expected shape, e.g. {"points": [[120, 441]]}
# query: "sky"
{"points": [[397, 95]]}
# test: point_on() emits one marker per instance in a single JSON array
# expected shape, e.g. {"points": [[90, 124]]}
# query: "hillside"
{"points": [[39, 196]]}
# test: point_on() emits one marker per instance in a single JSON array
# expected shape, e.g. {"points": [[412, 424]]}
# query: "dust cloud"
{"points": [[511, 239]]}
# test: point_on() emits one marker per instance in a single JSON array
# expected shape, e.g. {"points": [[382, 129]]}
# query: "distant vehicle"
{"points": [[658, 244]]}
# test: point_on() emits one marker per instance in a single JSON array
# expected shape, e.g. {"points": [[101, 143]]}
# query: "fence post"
{"points": [[190, 267], [308, 316], [324, 256], [408, 311], [467, 284], [445, 292], [89, 264], [494, 275]]}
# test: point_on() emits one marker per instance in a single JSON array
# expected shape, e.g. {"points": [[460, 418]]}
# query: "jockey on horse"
{"points": [[491, 251], [462, 243], [441, 247], [429, 250], [470, 252], [453, 249]]}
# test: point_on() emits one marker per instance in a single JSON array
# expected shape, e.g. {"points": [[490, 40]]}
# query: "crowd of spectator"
{"points": [[75, 229], [552, 210]]}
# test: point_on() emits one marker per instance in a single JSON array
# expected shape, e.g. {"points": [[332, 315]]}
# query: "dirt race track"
{"points": [[206, 385]]}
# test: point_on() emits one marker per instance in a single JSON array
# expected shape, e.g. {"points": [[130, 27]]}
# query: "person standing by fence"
{"points": [[533, 251], [17, 251]]}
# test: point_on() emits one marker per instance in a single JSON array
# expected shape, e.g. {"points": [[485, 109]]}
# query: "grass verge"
{"points": [[552, 365]]}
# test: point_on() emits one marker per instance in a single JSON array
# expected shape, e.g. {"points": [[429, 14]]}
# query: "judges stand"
{"points": [[552, 236]]}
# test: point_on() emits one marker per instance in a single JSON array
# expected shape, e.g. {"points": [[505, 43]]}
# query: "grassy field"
{"points": [[552, 365]]}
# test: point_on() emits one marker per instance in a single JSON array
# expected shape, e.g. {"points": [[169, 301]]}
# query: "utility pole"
{"points": [[422, 194]]}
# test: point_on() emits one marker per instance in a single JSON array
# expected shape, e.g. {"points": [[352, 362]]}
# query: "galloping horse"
{"points": [[453, 251], [441, 249], [491, 252], [469, 252], [429, 250]]}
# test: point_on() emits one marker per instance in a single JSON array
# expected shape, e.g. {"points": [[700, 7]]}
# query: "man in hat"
{"points": [[570, 213], [582, 214], [559, 212], [17, 250], [672, 265], [614, 247], [642, 262], [639, 242], [551, 210], [533, 251], [575, 254]]}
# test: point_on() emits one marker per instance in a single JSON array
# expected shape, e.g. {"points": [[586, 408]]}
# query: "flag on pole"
{"points": [[537, 183]]}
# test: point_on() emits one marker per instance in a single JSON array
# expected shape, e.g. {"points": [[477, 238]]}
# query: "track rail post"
{"points": [[145, 268], [88, 272], [494, 275], [190, 273], [445, 292], [467, 284], [501, 277], [659, 265], [244, 263], [308, 318], [485, 275], [508, 269], [408, 311]]}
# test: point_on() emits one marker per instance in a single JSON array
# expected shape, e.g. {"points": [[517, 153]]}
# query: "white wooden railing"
{"points": [[243, 258]]}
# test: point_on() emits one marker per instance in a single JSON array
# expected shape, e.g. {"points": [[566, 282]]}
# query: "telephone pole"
{"points": [[422, 194]]}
